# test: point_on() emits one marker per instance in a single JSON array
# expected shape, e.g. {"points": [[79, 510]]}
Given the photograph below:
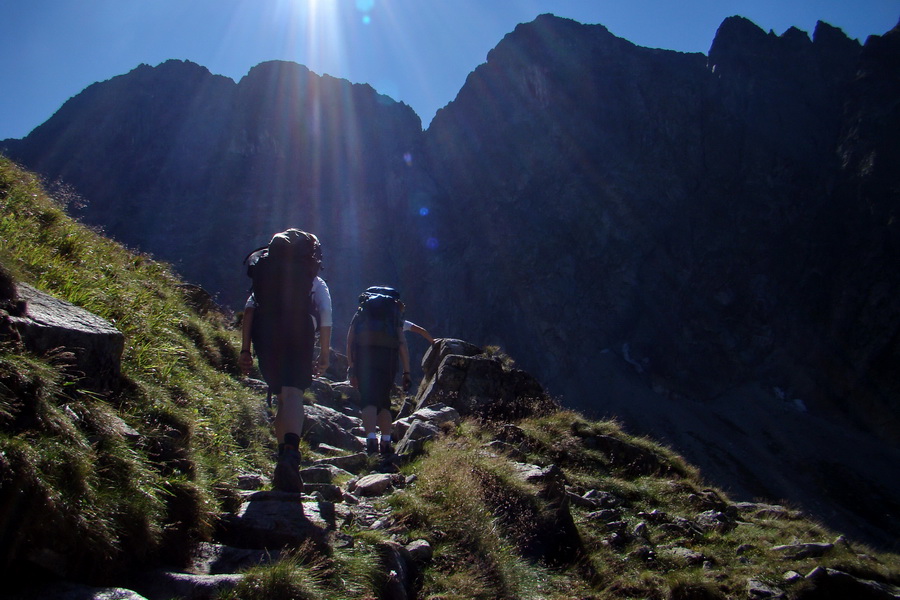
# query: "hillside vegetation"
{"points": [[108, 503], [68, 474]]}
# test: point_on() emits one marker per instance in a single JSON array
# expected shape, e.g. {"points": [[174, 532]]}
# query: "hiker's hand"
{"points": [[245, 362], [407, 382], [322, 365]]}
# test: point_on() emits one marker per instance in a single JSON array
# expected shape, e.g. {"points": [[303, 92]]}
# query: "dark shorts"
{"points": [[285, 354], [376, 368]]}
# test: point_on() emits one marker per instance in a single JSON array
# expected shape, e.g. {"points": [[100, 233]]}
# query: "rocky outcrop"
{"points": [[833, 583], [422, 426], [90, 346], [473, 383], [330, 427]]}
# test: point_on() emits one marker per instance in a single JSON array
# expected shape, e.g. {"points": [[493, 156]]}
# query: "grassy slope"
{"points": [[68, 475]]}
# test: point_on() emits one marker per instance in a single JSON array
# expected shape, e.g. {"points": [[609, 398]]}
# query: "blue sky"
{"points": [[416, 51]]}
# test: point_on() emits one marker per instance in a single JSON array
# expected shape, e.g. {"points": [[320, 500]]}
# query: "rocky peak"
{"points": [[834, 38], [273, 72], [741, 49], [739, 44]]}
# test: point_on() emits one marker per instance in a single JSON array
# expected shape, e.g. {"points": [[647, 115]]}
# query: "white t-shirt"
{"points": [[321, 302]]}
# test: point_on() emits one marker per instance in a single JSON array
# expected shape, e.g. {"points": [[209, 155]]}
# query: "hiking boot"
{"points": [[385, 448], [371, 446], [287, 472]]}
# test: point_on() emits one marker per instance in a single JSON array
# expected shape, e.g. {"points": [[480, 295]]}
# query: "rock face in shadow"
{"points": [[701, 246], [678, 210], [704, 246]]}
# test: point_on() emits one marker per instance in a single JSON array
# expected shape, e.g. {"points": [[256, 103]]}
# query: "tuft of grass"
{"points": [[286, 580], [467, 502], [497, 353], [350, 573]]}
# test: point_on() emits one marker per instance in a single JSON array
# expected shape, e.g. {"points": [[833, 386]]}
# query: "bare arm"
{"points": [[404, 359], [325, 348], [422, 331], [351, 352]]}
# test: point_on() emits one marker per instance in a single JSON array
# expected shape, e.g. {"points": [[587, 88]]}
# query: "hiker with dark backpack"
{"points": [[279, 322], [375, 342]]}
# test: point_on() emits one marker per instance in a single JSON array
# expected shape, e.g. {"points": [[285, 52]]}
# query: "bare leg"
{"points": [[289, 415], [385, 421], [368, 418], [288, 428]]}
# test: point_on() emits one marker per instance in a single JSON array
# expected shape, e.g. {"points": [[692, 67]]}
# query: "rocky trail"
{"points": [[343, 492], [346, 492]]}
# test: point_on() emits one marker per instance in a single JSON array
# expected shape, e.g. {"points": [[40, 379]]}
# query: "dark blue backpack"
{"points": [[378, 317]]}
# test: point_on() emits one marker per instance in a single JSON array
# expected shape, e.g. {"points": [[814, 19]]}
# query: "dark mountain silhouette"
{"points": [[198, 170], [704, 246]]}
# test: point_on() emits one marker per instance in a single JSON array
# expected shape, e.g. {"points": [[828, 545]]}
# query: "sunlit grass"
{"points": [[464, 502], [304, 574], [455, 504], [292, 578], [196, 426]]}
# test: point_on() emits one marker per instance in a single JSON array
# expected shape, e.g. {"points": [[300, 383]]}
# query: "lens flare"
{"points": [[431, 243], [424, 211]]}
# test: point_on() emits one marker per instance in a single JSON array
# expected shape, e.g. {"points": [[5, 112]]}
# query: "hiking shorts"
{"points": [[285, 365], [285, 356], [376, 368]]}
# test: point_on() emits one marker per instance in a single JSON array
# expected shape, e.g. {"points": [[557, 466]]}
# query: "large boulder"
{"points": [[474, 383], [544, 529], [399, 575], [324, 425], [822, 582], [162, 585], [218, 559], [423, 425], [53, 325], [64, 590]]}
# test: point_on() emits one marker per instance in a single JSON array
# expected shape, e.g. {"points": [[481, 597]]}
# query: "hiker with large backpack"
{"points": [[280, 323], [375, 345]]}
